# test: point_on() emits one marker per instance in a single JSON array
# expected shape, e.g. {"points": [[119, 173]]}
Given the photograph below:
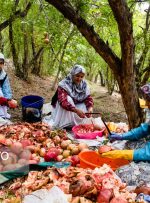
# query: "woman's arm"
{"points": [[6, 89], [89, 102], [137, 133], [62, 99], [142, 154]]}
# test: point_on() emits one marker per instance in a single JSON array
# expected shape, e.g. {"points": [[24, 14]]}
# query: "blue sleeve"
{"points": [[142, 154], [6, 89], [137, 133]]}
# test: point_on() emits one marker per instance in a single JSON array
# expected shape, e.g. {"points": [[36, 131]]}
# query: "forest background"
{"points": [[109, 38]]}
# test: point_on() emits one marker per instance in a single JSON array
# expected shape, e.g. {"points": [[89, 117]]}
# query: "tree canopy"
{"points": [[109, 37]]}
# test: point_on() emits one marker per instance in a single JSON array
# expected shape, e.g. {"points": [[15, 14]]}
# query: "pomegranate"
{"points": [[42, 152], [46, 40], [65, 144], [82, 146], [104, 149], [22, 161], [31, 148], [104, 196], [25, 154], [25, 142], [59, 157], [12, 104], [54, 149], [50, 156], [66, 153], [56, 139], [75, 151], [16, 147], [75, 160]]}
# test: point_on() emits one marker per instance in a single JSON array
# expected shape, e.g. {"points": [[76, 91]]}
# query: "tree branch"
{"points": [[124, 20], [16, 15], [88, 32]]}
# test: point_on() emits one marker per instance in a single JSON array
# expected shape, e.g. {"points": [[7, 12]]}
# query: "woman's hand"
{"points": [[90, 110], [80, 113]]}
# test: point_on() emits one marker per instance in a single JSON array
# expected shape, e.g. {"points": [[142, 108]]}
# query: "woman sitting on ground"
{"points": [[71, 100]]}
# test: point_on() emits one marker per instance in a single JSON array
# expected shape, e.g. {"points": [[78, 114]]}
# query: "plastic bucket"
{"points": [[91, 159], [32, 108]]}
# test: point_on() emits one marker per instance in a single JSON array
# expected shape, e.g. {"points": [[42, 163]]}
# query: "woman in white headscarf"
{"points": [[71, 100]]}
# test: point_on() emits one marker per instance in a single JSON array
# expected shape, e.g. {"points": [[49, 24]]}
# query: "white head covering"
{"points": [[78, 92], [2, 56]]}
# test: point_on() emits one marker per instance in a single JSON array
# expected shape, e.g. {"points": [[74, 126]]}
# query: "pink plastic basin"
{"points": [[86, 135]]}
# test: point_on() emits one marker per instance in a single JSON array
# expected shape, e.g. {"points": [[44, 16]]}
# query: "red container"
{"points": [[87, 135], [91, 159]]}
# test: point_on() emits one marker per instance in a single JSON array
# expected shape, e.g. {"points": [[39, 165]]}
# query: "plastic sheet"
{"points": [[54, 195], [135, 174]]}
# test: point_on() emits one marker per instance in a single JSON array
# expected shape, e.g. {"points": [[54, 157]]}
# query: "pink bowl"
{"points": [[86, 135]]}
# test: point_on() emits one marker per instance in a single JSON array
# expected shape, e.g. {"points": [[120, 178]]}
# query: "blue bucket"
{"points": [[32, 108]]}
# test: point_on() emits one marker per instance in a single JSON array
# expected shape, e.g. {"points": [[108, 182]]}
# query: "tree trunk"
{"points": [[37, 57], [123, 68], [26, 53], [1, 43], [56, 80], [102, 81], [61, 58], [96, 78], [18, 69], [146, 74]]}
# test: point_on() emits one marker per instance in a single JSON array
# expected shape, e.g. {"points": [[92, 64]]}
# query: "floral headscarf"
{"points": [[78, 92], [145, 90]]}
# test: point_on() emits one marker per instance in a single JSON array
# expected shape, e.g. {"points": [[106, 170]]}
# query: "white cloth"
{"points": [[61, 118], [3, 109]]}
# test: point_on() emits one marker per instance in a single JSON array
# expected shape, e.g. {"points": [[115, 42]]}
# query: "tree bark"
{"points": [[102, 81], [1, 43], [18, 70], [123, 68], [35, 62]]}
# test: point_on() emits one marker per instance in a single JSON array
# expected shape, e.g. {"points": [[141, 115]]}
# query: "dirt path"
{"points": [[111, 107]]}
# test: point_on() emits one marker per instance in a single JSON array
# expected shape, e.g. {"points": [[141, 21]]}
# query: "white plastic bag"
{"points": [[96, 121], [54, 195]]}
